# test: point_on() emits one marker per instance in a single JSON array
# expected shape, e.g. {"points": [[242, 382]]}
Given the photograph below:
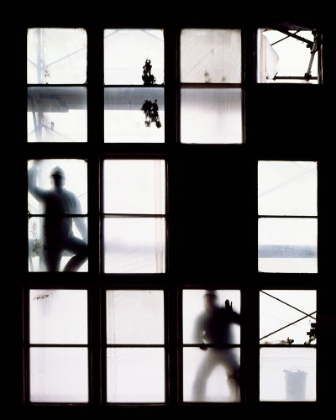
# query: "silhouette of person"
{"points": [[59, 204], [213, 329]]}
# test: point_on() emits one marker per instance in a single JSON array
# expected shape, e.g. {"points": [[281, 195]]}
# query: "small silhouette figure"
{"points": [[213, 329], [62, 208]]}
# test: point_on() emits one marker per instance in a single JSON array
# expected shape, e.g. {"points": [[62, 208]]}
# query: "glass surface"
{"points": [[58, 316], [125, 54], [286, 316], [56, 56], [135, 375], [287, 188], [211, 116], [134, 245], [134, 186], [287, 245], [56, 114], [56, 240], [59, 375], [134, 115], [287, 374], [134, 317], [280, 55], [210, 56]]}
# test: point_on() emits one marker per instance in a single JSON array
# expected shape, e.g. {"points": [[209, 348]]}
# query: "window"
{"points": [[164, 177]]}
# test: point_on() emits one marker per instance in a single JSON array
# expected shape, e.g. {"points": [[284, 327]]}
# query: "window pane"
{"points": [[58, 375], [288, 374], [134, 115], [134, 317], [134, 245], [57, 114], [125, 54], [58, 317], [287, 188], [287, 245], [210, 56], [57, 189], [56, 56], [135, 375], [211, 116], [134, 186]]}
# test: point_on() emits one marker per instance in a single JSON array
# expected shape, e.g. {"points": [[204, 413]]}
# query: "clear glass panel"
{"points": [[211, 116], [56, 189], [126, 52], [134, 186], [288, 374], [134, 115], [210, 56], [59, 375], [282, 58], [57, 114], [135, 375], [287, 188], [287, 245], [134, 317], [56, 56], [58, 316], [286, 316], [134, 245]]}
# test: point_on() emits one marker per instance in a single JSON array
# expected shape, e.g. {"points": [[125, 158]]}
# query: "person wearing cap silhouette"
{"points": [[213, 330], [59, 204]]}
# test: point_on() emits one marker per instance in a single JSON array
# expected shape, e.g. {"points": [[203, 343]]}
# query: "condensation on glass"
{"points": [[58, 353], [288, 352], [64, 214], [135, 318], [211, 109], [287, 209], [211, 346], [56, 56], [134, 194]]}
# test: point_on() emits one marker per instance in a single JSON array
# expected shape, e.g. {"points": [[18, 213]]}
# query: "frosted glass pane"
{"points": [[58, 316], [286, 314], [287, 188], [134, 317], [210, 56], [55, 238], [194, 307], [56, 114], [56, 56], [280, 55], [134, 186], [211, 116], [125, 54], [288, 374], [135, 375], [59, 375], [126, 122], [287, 245], [134, 245], [205, 375]]}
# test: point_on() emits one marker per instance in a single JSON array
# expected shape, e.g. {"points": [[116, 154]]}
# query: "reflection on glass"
{"points": [[211, 370], [211, 116], [287, 374], [210, 56], [57, 114], [58, 316], [56, 56], [59, 375], [57, 195], [125, 54], [134, 317], [126, 119]]}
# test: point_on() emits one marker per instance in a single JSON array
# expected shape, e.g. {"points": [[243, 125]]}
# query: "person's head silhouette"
{"points": [[57, 176]]}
